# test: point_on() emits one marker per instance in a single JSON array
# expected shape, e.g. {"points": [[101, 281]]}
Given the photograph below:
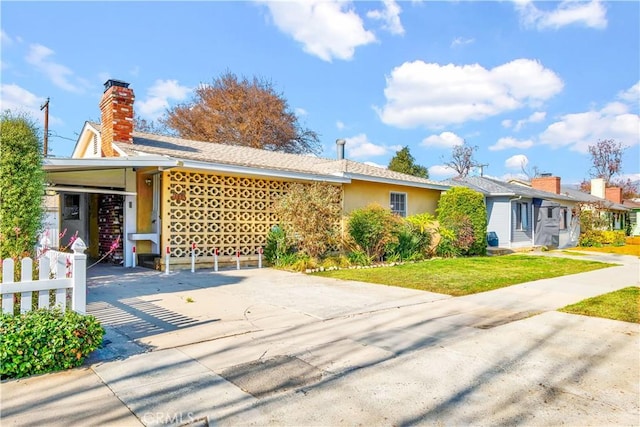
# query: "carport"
{"points": [[98, 198]]}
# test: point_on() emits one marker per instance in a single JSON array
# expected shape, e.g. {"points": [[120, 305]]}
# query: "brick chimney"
{"points": [[116, 107], [613, 194], [546, 182]]}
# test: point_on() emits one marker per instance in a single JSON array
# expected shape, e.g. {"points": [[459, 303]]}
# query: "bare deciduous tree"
{"points": [[462, 159], [606, 159], [241, 112]]}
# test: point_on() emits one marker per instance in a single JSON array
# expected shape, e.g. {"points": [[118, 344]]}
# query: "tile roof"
{"points": [[222, 154]]}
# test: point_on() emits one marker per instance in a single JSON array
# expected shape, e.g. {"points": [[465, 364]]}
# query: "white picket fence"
{"points": [[58, 271]]}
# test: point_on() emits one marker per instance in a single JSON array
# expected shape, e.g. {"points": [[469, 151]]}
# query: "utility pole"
{"points": [[482, 166], [45, 107]]}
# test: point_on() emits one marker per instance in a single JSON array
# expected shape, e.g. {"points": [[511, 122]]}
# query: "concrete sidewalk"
{"points": [[259, 347]]}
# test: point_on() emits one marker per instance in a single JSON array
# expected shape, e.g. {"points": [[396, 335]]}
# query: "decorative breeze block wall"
{"points": [[213, 211]]}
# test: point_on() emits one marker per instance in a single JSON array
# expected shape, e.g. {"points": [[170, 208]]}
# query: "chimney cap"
{"points": [[546, 175], [341, 141], [113, 82]]}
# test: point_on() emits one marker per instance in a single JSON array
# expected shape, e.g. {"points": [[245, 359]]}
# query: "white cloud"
{"points": [[461, 41], [579, 130], [632, 94], [536, 117], [516, 162], [616, 120], [5, 39], [326, 29], [445, 139], [589, 14], [360, 146], [509, 142], [441, 171], [301, 112], [20, 100], [434, 95], [390, 17], [158, 97], [340, 125], [507, 123], [61, 76]]}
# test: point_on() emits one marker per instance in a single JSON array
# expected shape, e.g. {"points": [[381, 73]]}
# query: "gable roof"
{"points": [[240, 159], [583, 197], [494, 187]]}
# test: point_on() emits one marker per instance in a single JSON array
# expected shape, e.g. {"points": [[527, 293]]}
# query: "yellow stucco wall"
{"points": [[232, 213], [145, 206], [359, 194]]}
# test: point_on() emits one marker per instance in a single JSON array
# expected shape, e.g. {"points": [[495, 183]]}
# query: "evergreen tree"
{"points": [[404, 162]]}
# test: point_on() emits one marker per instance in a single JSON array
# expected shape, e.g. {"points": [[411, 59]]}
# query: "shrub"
{"points": [[599, 238], [46, 340], [372, 228], [463, 211], [447, 247], [414, 238], [591, 239], [21, 184], [311, 212], [277, 246], [358, 257]]}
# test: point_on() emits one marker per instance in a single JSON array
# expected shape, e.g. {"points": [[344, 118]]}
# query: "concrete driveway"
{"points": [[265, 347]]}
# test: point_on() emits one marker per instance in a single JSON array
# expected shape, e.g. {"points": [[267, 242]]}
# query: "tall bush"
{"points": [[463, 211], [310, 214], [372, 228], [21, 186]]}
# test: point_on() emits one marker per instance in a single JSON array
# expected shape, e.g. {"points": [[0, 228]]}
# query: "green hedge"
{"points": [[46, 340], [463, 211]]}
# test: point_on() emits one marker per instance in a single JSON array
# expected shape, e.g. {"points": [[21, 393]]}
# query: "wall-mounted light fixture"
{"points": [[148, 181]]}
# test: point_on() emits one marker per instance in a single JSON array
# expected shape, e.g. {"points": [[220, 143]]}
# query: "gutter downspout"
{"points": [[511, 218]]}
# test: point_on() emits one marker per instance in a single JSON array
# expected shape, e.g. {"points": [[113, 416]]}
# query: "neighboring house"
{"points": [[634, 216], [162, 193], [525, 217], [607, 201]]}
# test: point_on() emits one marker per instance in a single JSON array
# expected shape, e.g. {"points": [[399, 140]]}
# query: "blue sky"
{"points": [[525, 82]]}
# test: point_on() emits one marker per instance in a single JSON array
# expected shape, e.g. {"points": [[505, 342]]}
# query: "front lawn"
{"points": [[619, 305], [463, 276]]}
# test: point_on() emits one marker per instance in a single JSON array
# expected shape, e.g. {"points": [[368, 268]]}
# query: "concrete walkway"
{"points": [[265, 347]]}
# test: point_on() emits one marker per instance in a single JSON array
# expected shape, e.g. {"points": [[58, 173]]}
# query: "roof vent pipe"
{"points": [[340, 146]]}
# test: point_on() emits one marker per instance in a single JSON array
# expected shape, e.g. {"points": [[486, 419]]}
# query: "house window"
{"points": [[522, 216], [398, 203], [549, 212]]}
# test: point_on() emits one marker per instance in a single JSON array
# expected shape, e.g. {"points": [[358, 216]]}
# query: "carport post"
{"points": [[260, 257], [133, 251], [238, 260], [166, 262], [215, 259], [193, 257]]}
